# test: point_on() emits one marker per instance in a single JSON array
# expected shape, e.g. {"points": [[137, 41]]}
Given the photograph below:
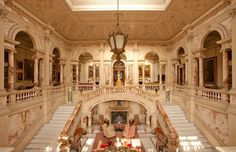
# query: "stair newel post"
{"points": [[173, 143], [64, 143]]}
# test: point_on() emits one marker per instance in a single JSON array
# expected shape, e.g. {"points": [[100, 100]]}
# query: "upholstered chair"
{"points": [[108, 131], [129, 132]]}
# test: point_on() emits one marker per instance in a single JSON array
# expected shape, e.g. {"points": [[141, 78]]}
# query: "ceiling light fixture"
{"points": [[117, 40]]}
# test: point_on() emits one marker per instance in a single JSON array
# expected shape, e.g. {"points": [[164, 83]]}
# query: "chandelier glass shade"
{"points": [[117, 40]]}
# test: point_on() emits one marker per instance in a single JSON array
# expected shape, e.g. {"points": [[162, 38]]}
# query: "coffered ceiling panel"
{"points": [[140, 25]]}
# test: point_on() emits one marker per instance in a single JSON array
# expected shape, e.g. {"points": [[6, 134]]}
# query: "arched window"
{"points": [[152, 69], [212, 61], [56, 67], [24, 63]]}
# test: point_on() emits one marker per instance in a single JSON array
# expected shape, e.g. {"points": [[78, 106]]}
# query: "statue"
{"points": [[118, 81]]}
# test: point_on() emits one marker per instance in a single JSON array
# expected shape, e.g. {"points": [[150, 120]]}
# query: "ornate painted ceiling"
{"points": [[140, 25]]}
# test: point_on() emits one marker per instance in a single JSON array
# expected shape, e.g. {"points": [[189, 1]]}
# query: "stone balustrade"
{"points": [[183, 89], [132, 90], [210, 94], [55, 90], [213, 94], [19, 96]]}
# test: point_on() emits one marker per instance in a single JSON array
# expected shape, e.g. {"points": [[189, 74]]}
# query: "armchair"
{"points": [[129, 132], [108, 131]]}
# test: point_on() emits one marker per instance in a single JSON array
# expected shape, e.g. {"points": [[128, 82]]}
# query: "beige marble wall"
{"points": [[215, 120], [20, 123]]}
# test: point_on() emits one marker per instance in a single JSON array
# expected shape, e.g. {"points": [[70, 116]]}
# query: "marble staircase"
{"points": [[46, 139], [191, 139]]}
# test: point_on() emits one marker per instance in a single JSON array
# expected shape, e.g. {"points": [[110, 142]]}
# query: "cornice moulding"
{"points": [[35, 19]]}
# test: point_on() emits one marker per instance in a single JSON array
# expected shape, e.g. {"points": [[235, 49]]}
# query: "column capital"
{"points": [[3, 10], [199, 54], [11, 50], [175, 61], [232, 12], [62, 62]]}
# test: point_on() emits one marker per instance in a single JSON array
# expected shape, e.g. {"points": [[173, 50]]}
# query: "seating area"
{"points": [[108, 131]]}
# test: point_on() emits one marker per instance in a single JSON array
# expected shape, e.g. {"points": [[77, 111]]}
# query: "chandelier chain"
{"points": [[117, 15]]}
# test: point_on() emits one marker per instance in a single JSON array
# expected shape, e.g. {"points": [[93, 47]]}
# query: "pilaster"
{"points": [[101, 67], [136, 79]]}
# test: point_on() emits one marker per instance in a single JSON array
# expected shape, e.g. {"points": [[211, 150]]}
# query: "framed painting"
{"points": [[90, 71], [20, 65], [140, 71], [209, 71], [147, 71]]}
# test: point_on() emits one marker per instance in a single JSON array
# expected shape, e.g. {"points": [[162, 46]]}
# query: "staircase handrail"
{"points": [[173, 138], [64, 142]]}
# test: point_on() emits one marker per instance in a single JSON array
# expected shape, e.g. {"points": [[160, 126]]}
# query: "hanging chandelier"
{"points": [[117, 40]]}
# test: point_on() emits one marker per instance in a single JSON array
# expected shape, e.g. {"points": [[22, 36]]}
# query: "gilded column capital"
{"points": [[3, 10], [233, 11]]}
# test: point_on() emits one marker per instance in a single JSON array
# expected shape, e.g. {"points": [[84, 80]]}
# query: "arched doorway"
{"points": [[119, 73], [118, 111], [212, 61], [56, 67], [151, 69], [87, 70], [181, 68], [23, 62]]}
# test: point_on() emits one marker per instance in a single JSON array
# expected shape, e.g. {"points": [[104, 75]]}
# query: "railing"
{"points": [[55, 89], [211, 94], [169, 130], [19, 96], [183, 89], [83, 86], [121, 89], [69, 129]]}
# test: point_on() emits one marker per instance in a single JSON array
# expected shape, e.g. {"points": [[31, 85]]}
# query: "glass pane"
{"points": [[119, 41], [111, 40]]}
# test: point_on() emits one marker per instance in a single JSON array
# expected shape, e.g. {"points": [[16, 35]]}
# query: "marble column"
{"points": [[62, 73], [160, 72], [41, 72], [2, 14], [176, 73], [194, 72], [233, 13], [173, 74], [110, 72], [232, 108], [77, 73], [94, 77], [101, 67], [36, 72], [225, 69], [186, 72], [201, 71], [143, 71], [135, 70], [11, 78], [127, 74], [50, 70]]}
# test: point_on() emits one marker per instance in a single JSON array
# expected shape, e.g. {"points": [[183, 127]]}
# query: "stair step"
{"points": [[46, 136], [191, 139], [186, 129], [40, 140], [41, 145], [180, 125]]}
